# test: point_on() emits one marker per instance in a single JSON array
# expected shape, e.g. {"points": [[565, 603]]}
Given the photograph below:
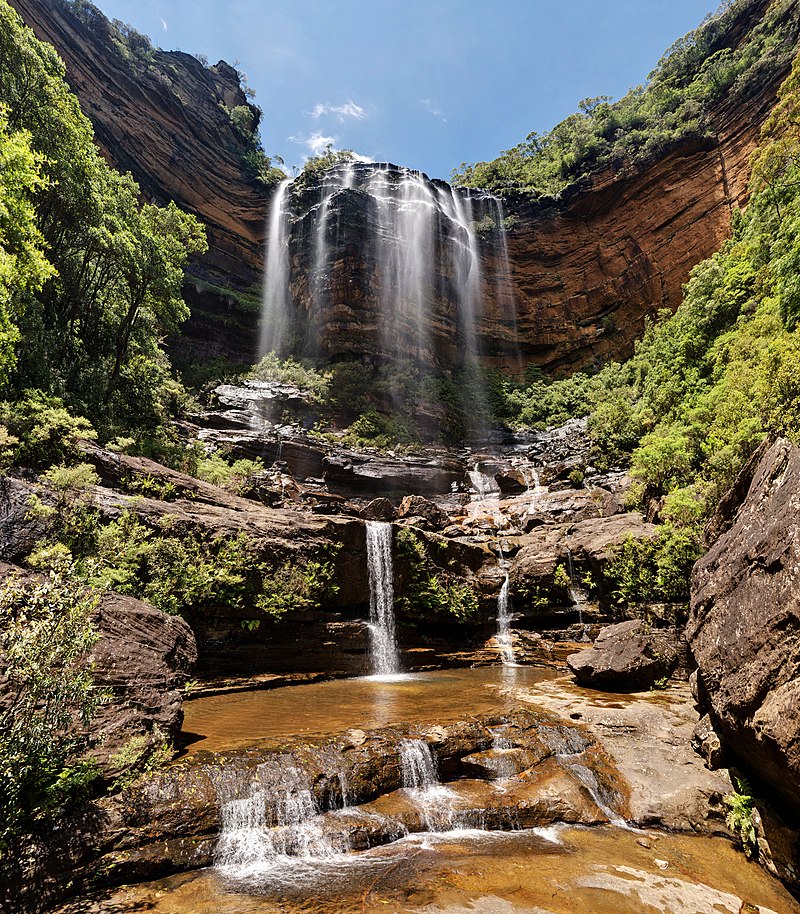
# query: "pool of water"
{"points": [[240, 719], [549, 871]]}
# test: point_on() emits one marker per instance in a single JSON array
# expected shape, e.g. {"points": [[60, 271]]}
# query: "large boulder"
{"points": [[744, 625], [627, 657], [144, 657]]}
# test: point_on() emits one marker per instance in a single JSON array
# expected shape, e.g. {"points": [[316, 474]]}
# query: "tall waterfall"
{"points": [[383, 647], [275, 317], [415, 249]]}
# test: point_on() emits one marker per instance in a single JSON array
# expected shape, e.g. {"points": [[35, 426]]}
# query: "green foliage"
{"points": [[430, 588], [652, 570], [293, 586], [673, 106], [46, 633], [291, 372], [43, 430], [94, 319], [374, 429], [316, 165], [234, 476], [739, 818], [138, 758]]}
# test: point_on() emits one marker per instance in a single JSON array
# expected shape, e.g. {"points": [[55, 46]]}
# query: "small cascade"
{"points": [[383, 646], [575, 592], [268, 821], [504, 617], [421, 777], [568, 747], [503, 766]]}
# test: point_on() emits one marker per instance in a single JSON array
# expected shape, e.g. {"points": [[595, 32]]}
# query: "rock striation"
{"points": [[744, 626], [164, 116]]}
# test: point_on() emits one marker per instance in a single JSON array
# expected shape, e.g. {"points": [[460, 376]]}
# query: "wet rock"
{"points": [[744, 626], [511, 481], [628, 657], [431, 515], [647, 737]]}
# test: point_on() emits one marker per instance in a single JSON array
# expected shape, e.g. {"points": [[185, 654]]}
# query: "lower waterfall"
{"points": [[383, 646]]}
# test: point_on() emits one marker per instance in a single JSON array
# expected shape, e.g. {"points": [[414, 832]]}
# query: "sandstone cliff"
{"points": [[586, 269], [164, 116]]}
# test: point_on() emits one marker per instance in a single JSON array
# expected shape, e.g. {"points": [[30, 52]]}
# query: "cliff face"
{"points": [[588, 272], [164, 117], [585, 270]]}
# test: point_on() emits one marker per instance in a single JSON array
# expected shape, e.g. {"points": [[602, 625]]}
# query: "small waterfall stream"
{"points": [[504, 616], [383, 646], [265, 825], [421, 777]]}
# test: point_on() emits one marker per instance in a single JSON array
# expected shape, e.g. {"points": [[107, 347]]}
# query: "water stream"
{"points": [[504, 616], [384, 657]]}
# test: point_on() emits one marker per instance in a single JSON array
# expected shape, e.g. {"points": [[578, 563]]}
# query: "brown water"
{"points": [[232, 721], [558, 871]]}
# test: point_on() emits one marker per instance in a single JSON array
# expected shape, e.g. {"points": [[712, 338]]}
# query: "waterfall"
{"points": [[504, 624], [383, 647], [420, 260], [267, 819], [421, 778], [275, 302]]}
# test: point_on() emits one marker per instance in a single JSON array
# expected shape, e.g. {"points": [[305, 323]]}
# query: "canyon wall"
{"points": [[586, 269]]}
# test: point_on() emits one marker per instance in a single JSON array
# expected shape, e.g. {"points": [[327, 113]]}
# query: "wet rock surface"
{"points": [[744, 627], [628, 657], [648, 737]]}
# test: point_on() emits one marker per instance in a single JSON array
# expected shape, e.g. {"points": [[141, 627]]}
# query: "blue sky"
{"points": [[424, 84]]}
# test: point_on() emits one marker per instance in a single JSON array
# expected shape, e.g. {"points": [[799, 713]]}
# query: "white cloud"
{"points": [[164, 23], [348, 111], [317, 144], [433, 108]]}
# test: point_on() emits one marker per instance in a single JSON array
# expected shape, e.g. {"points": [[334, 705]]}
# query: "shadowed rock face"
{"points": [[744, 629], [585, 270]]}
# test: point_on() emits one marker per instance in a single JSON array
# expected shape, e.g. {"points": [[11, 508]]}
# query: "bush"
{"points": [[46, 634], [430, 588]]}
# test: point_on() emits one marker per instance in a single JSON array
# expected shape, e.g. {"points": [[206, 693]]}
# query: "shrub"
{"points": [[46, 633]]}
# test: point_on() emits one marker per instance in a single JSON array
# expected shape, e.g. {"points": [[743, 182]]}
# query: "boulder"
{"points": [[744, 624], [627, 657], [144, 657], [379, 509], [422, 508], [511, 481]]}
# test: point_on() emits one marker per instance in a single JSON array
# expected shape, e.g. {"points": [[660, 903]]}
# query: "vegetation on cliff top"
{"points": [[674, 105]]}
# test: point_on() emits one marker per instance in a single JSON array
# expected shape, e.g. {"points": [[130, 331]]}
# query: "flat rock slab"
{"points": [[648, 737]]}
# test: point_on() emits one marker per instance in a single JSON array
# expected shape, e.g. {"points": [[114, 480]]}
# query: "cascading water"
{"points": [[269, 819], [383, 645], [504, 624], [275, 316], [408, 244], [421, 777]]}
